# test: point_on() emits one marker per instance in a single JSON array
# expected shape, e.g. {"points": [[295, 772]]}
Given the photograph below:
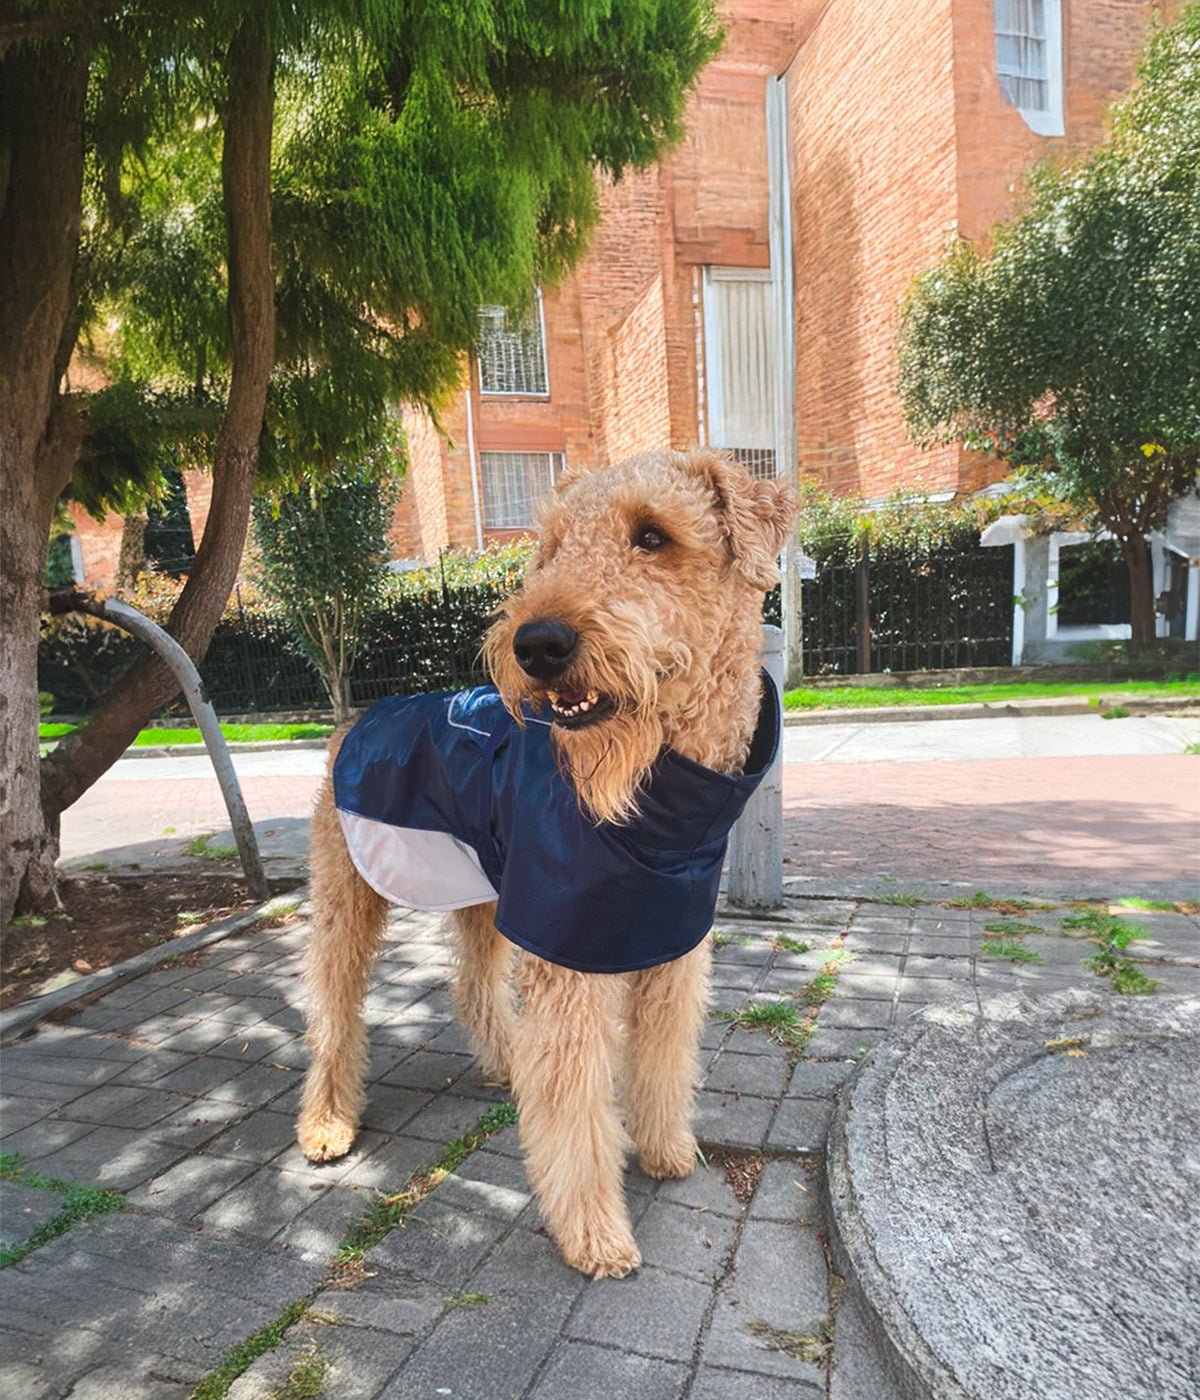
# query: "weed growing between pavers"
{"points": [[722, 938], [784, 944], [467, 1300], [80, 1203], [742, 1170], [347, 1270], [907, 901], [389, 1211], [781, 1019], [306, 1379], [1015, 928], [1112, 936], [236, 1360], [1011, 949], [814, 1348], [276, 914]]}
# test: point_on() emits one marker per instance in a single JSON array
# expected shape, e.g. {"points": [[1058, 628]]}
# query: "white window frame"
{"points": [[1095, 631], [716, 435], [1049, 122], [556, 465], [540, 315]]}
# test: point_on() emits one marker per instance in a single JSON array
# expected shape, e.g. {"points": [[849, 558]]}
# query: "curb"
{"points": [[938, 892], [1008, 709], [18, 1018]]}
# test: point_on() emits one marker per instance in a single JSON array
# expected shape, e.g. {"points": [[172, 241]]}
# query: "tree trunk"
{"points": [[246, 181], [1141, 592], [132, 561], [42, 94]]}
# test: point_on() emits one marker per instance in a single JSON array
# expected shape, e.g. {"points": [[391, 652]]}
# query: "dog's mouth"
{"points": [[577, 709]]}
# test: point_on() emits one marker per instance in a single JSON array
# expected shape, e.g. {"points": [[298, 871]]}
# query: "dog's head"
{"points": [[641, 607]]}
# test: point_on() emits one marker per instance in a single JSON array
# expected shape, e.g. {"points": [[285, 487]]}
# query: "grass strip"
{"points": [[876, 697], [79, 1203], [1010, 949], [234, 733]]}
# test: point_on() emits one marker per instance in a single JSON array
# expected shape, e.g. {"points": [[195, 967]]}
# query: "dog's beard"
{"points": [[606, 761]]}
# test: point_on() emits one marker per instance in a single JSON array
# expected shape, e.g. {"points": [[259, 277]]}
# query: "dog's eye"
{"points": [[649, 538]]}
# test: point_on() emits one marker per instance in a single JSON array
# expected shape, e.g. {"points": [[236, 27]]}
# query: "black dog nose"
{"points": [[544, 647]]}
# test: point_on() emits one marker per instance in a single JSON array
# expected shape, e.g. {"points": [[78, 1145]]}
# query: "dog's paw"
{"points": [[613, 1258], [322, 1139], [669, 1161]]}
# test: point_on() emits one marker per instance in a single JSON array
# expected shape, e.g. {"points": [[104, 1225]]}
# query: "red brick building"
{"points": [[745, 292]]}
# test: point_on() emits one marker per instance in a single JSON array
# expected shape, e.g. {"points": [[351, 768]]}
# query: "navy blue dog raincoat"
{"points": [[446, 802]]}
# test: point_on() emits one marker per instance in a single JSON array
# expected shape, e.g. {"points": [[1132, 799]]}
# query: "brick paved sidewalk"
{"points": [[180, 1090]]}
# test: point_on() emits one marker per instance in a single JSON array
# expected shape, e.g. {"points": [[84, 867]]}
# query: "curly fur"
{"points": [[670, 636]]}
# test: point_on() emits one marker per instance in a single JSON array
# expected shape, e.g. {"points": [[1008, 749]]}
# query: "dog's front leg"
{"points": [[347, 927], [563, 1059], [665, 1019]]}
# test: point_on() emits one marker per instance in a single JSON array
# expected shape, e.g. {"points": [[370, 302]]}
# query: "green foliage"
{"points": [[1011, 949], [777, 1019], [240, 1356], [1068, 346], [324, 560], [1112, 935], [79, 1203]]}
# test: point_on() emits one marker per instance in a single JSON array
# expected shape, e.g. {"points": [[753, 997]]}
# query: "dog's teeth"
{"points": [[585, 704], [593, 696], [552, 696]]}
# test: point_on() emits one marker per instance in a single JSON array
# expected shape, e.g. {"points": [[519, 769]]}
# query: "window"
{"points": [[512, 351], [740, 365], [1087, 592], [168, 541], [514, 485], [1029, 61]]}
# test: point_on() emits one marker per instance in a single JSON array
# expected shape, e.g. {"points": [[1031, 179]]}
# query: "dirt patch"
{"points": [[106, 920]]}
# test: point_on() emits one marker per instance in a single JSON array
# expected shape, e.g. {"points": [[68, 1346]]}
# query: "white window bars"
{"points": [[514, 486], [1029, 61], [512, 352]]}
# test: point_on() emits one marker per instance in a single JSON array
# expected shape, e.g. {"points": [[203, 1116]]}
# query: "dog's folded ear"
{"points": [[758, 514]]}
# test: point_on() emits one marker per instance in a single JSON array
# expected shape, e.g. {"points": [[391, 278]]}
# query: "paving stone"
{"points": [[953, 968], [390, 1304], [526, 1268], [489, 1184], [257, 1138], [445, 1119], [869, 984], [744, 976], [41, 1141], [16, 1114], [732, 1121], [779, 1279], [869, 941], [76, 1072], [577, 1369], [931, 988], [359, 1363], [705, 1189], [123, 1106], [191, 1186], [431, 1070], [439, 1243], [196, 1122], [506, 1142], [113, 1159], [255, 1043], [481, 1353], [689, 1241], [24, 1210], [801, 1125], [717, 1383], [842, 1044], [814, 1079], [317, 1232], [651, 1312], [265, 1203], [856, 1013], [763, 1075], [787, 1190], [364, 1165], [152, 1066]]}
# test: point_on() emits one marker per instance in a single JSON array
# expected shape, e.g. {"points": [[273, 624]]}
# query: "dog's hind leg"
{"points": [[563, 1060], [347, 928], [482, 991], [665, 1020]]}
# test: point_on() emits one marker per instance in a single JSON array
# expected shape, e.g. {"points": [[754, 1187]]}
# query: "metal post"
{"points": [[756, 842], [206, 721]]}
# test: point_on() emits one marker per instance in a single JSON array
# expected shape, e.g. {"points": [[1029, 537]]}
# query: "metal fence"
{"points": [[903, 612], [887, 613]]}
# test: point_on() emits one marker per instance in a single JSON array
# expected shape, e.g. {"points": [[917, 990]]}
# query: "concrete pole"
{"points": [[756, 842], [206, 721]]}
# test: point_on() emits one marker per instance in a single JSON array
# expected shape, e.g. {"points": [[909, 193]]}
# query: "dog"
{"points": [[625, 677]]}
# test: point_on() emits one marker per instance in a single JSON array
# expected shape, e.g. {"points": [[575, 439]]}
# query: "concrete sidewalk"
{"points": [[180, 1090]]}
